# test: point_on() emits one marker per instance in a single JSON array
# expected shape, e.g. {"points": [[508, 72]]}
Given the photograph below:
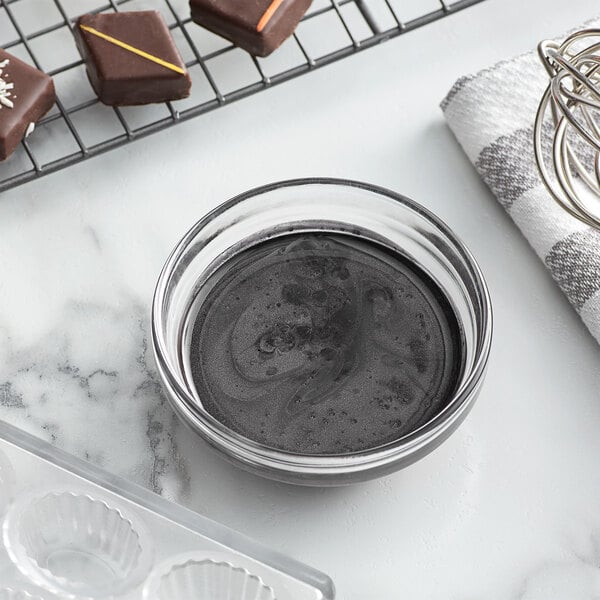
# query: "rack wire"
{"points": [[80, 127]]}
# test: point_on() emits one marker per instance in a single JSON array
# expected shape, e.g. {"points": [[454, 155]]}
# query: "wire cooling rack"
{"points": [[79, 126]]}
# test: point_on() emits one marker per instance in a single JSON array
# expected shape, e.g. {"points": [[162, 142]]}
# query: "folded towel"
{"points": [[492, 115]]}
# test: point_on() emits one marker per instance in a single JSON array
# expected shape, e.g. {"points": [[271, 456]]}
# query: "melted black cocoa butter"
{"points": [[324, 344]]}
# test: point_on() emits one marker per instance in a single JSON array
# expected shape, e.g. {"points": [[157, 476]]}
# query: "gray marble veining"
{"points": [[89, 386]]}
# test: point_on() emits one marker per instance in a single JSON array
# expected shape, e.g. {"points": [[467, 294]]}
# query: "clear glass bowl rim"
{"points": [[262, 456]]}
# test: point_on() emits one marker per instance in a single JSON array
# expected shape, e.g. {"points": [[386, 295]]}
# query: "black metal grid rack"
{"points": [[79, 126]]}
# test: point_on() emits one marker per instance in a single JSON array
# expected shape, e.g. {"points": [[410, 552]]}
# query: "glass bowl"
{"points": [[320, 205]]}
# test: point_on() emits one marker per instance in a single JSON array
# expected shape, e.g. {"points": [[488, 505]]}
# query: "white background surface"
{"points": [[510, 506]]}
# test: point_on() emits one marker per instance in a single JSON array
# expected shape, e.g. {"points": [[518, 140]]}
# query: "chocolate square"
{"points": [[26, 95], [258, 26], [131, 58]]}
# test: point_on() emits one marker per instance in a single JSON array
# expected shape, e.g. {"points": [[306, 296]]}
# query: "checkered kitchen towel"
{"points": [[492, 115]]}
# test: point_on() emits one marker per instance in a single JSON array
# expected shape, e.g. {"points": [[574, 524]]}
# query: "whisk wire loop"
{"points": [[567, 124]]}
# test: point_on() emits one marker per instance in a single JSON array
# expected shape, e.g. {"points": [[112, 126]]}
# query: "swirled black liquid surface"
{"points": [[324, 344]]}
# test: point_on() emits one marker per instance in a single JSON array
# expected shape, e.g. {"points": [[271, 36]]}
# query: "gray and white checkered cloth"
{"points": [[492, 115]]}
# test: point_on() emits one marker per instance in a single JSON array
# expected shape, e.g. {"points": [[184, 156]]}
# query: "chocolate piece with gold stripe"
{"points": [[258, 26], [131, 58]]}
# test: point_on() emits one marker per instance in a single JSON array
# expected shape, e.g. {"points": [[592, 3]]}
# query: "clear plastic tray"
{"points": [[71, 530]]}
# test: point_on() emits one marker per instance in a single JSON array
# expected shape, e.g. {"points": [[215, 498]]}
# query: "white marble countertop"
{"points": [[508, 508]]}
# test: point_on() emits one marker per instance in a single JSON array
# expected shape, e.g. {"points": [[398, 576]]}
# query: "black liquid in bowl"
{"points": [[323, 344], [321, 331]]}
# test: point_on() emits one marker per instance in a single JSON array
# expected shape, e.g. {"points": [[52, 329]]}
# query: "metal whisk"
{"points": [[567, 125]]}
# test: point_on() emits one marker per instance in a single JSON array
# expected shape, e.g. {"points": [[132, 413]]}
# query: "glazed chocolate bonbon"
{"points": [[131, 58], [26, 95], [259, 26]]}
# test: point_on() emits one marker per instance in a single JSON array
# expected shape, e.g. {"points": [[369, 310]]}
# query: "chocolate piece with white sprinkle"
{"points": [[26, 95]]}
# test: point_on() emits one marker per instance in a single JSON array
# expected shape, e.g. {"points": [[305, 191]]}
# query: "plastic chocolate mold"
{"points": [[76, 545], [7, 482], [10, 594], [205, 577], [88, 535]]}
